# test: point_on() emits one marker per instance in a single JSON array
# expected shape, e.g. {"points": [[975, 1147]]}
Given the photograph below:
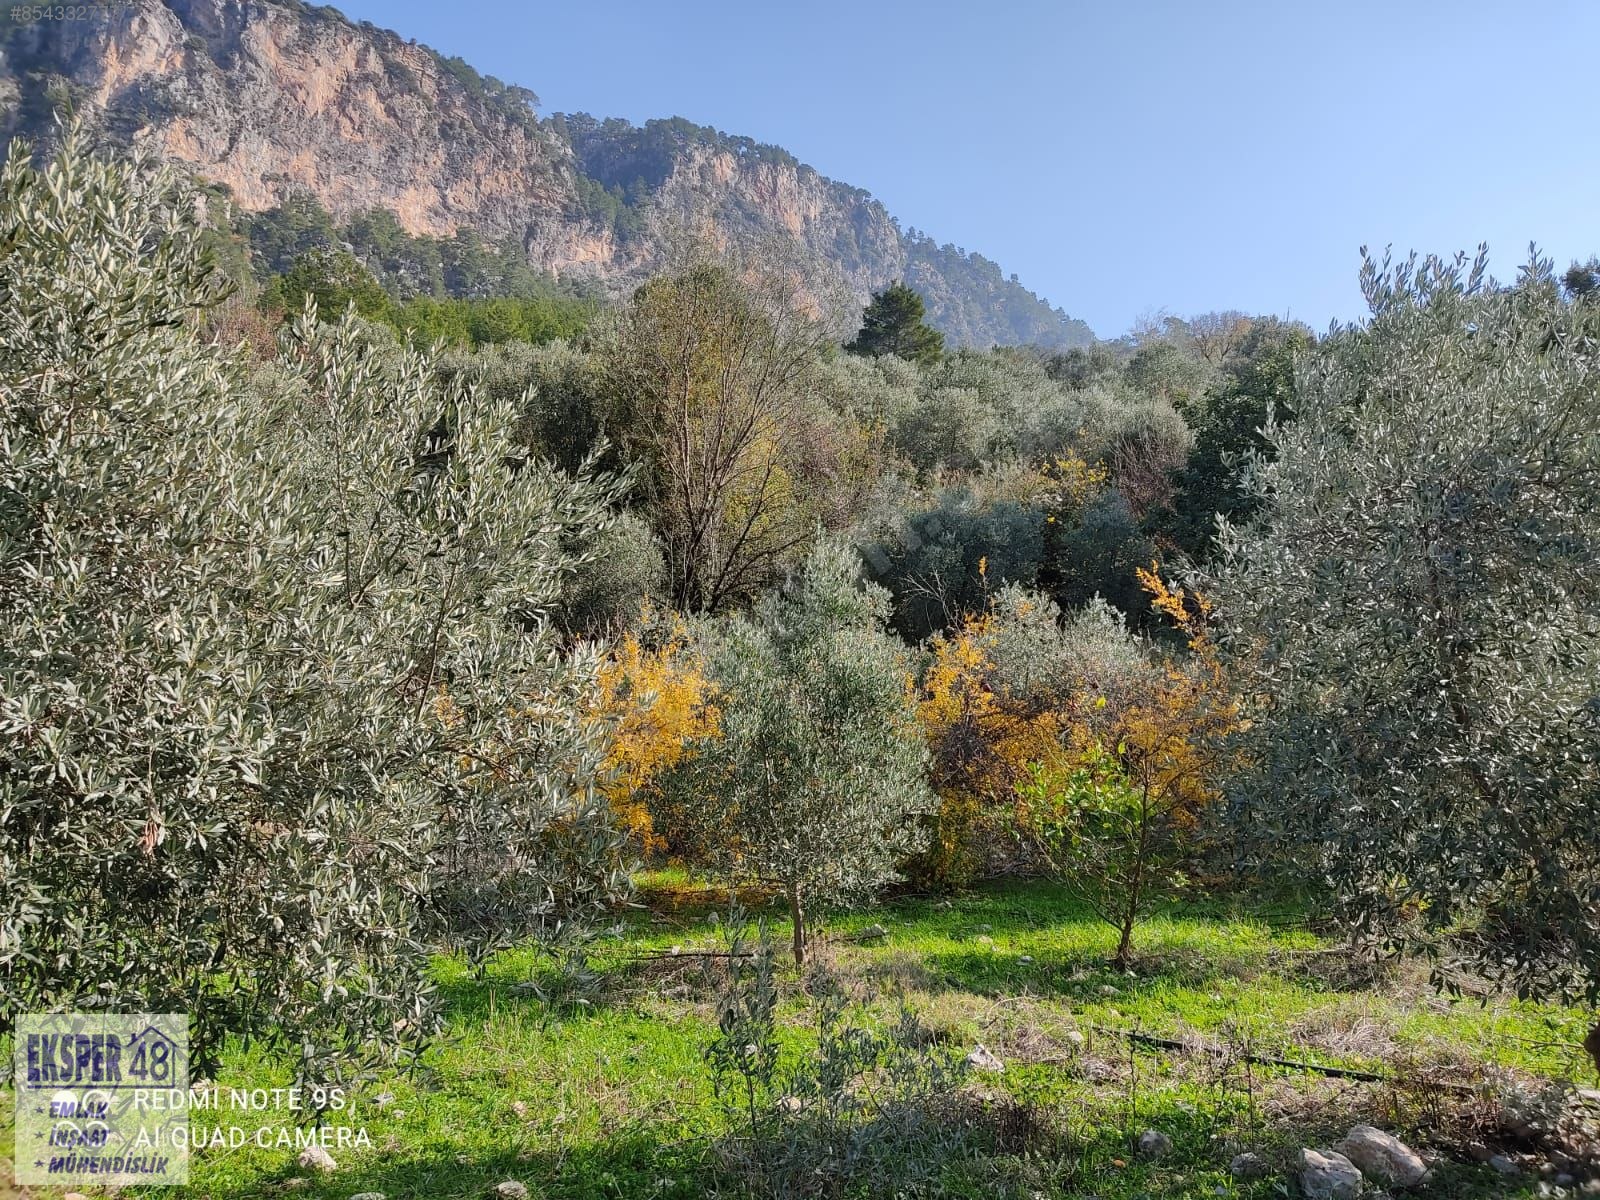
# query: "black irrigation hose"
{"points": [[1147, 1039]]}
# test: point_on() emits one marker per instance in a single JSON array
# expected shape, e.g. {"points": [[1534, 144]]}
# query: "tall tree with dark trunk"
{"points": [[705, 372]]}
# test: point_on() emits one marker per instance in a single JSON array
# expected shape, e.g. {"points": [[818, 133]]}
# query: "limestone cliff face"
{"points": [[269, 98]]}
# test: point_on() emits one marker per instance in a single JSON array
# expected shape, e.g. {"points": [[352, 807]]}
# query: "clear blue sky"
{"points": [[1124, 156]]}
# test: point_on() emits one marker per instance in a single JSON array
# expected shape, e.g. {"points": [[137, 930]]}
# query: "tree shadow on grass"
{"points": [[1085, 976], [632, 1163]]}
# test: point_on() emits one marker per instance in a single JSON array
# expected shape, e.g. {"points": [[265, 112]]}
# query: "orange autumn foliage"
{"points": [[654, 693], [982, 743]]}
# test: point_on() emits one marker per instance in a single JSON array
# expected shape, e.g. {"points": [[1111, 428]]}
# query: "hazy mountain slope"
{"points": [[273, 98]]}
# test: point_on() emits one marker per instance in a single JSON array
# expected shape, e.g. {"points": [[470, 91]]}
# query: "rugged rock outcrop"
{"points": [[270, 98]]}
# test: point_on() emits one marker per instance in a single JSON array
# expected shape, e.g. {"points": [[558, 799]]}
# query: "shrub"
{"points": [[626, 571], [871, 1107], [1002, 694]]}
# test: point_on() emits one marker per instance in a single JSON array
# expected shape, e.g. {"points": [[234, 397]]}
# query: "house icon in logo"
{"points": [[156, 1059]]}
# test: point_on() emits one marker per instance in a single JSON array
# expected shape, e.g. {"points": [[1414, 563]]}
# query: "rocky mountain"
{"points": [[272, 99]]}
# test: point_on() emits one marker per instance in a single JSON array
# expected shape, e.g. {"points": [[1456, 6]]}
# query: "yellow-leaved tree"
{"points": [[983, 733], [654, 692]]}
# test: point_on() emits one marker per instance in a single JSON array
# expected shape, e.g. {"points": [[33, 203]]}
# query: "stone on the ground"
{"points": [[510, 1189], [519, 1107], [1383, 1156], [874, 931], [369, 1196], [1328, 1175], [1024, 958], [315, 1158], [1076, 1038], [1248, 1165], [1153, 1143], [1107, 989], [1505, 1165], [984, 1059]]}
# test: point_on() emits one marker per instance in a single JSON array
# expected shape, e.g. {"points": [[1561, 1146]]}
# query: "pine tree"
{"points": [[893, 323]]}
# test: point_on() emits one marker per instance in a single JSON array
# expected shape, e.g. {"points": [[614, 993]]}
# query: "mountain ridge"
{"points": [[273, 98]]}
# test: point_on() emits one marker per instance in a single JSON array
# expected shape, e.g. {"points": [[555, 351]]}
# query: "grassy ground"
{"points": [[609, 1097]]}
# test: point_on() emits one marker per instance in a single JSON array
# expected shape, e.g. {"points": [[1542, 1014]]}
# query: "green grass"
{"points": [[609, 1098]]}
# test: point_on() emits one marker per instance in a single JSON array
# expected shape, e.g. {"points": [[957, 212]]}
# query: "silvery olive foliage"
{"points": [[817, 777], [1415, 619], [279, 710]]}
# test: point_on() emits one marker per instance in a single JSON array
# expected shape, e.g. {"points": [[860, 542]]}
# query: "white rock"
{"points": [[518, 1107], [315, 1158], [1153, 1143], [1328, 1175], [510, 1189], [369, 1196], [1076, 1038], [1107, 989], [1383, 1156], [1024, 958], [984, 1059], [1248, 1166], [1505, 1165]]}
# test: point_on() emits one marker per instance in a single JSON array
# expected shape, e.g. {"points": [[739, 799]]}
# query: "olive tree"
{"points": [[278, 707], [1416, 621], [815, 782]]}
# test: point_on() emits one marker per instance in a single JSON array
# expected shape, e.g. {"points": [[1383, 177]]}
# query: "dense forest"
{"points": [[374, 598]]}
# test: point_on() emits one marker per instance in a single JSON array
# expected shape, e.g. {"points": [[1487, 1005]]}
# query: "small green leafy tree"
{"points": [[1415, 623], [816, 780], [1121, 813], [892, 323], [278, 708]]}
